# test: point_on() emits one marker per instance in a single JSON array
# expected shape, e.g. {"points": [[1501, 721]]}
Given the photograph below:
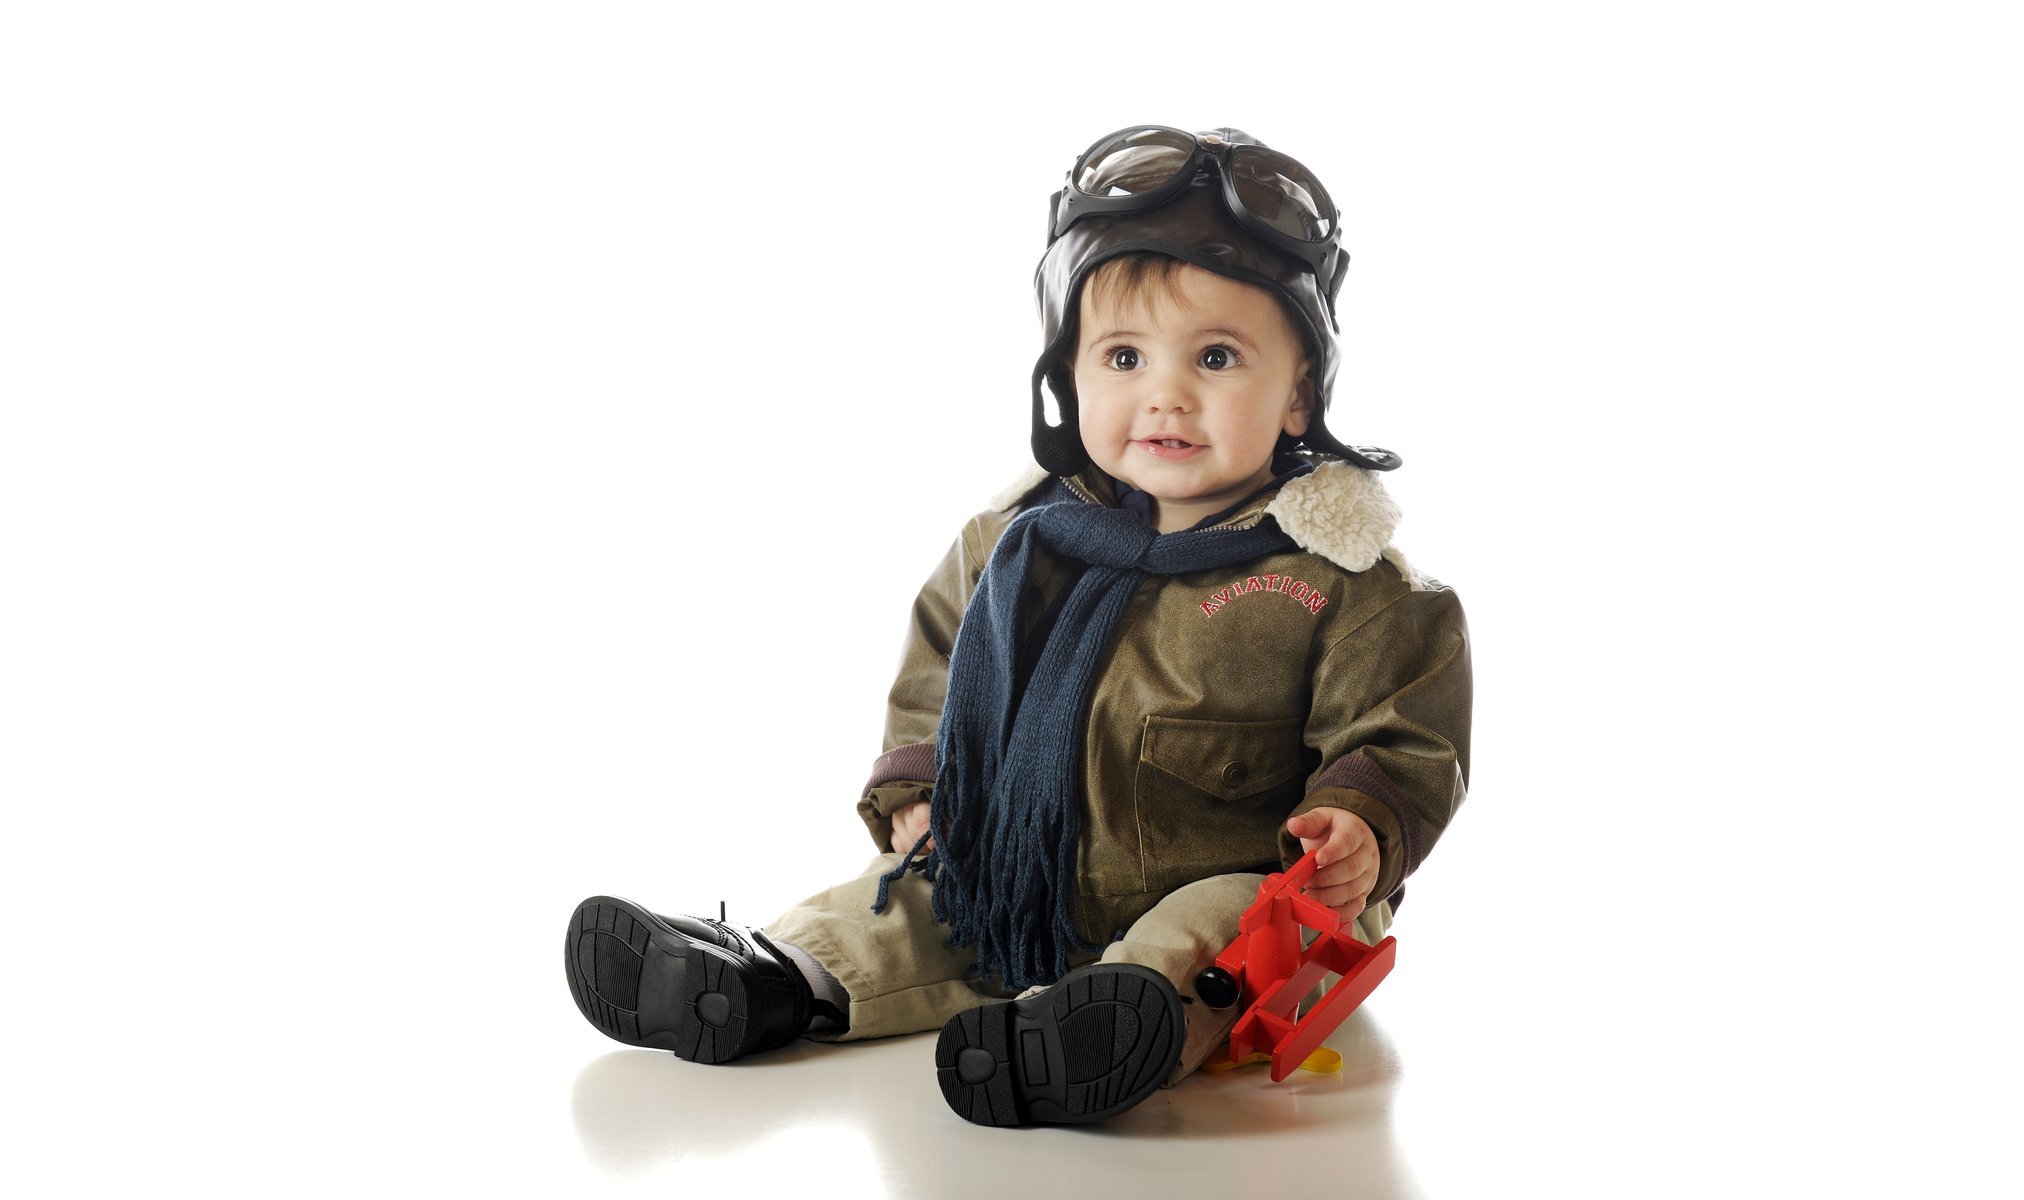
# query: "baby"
{"points": [[1176, 657]]}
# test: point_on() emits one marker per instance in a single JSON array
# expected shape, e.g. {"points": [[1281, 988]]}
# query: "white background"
{"points": [[459, 458]]}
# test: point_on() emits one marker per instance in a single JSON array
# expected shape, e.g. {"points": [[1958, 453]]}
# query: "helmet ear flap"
{"points": [[1057, 448]]}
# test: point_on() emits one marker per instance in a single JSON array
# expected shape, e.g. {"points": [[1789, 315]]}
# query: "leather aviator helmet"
{"points": [[1220, 200]]}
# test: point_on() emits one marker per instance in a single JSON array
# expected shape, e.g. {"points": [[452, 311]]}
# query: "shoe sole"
{"points": [[646, 984], [1093, 1045]]}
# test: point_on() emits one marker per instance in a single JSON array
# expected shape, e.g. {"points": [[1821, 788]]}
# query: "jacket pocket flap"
{"points": [[1227, 759]]}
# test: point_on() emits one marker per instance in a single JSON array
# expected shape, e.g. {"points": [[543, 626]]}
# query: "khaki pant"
{"points": [[904, 977]]}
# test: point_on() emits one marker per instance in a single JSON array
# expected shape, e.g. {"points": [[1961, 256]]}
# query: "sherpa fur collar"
{"points": [[1338, 511]]}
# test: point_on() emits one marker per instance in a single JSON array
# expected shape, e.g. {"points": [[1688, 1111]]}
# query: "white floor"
{"points": [[1488, 1064], [415, 1037], [869, 1121]]}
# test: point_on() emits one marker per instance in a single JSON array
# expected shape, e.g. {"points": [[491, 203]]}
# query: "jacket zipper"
{"points": [[1083, 494]]}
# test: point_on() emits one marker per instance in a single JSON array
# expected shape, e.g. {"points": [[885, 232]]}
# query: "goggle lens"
{"points": [[1281, 193], [1272, 187], [1134, 163]]}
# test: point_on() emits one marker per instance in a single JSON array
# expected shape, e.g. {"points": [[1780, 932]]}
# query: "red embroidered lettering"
{"points": [[1307, 596]]}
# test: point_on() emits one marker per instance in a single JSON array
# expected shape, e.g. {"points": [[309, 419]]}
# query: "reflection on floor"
{"points": [[867, 1119]]}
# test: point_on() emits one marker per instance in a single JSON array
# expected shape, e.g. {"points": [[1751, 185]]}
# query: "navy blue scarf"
{"points": [[1007, 803]]}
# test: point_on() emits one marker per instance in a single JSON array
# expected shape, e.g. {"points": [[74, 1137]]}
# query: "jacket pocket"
{"points": [[1208, 798], [1229, 760]]}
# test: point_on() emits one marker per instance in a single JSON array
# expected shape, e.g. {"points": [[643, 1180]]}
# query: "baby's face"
{"points": [[1186, 401]]}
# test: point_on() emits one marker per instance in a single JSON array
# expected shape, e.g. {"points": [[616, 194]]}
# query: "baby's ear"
{"points": [[1302, 411]]}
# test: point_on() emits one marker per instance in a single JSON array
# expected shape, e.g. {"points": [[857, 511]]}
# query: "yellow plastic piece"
{"points": [[1322, 1062], [1224, 1064]]}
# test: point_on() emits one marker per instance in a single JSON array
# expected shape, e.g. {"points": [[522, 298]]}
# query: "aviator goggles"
{"points": [[1269, 194]]}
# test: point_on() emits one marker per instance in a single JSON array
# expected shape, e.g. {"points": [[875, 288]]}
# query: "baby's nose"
{"points": [[1170, 391]]}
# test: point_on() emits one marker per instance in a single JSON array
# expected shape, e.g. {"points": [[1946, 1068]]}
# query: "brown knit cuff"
{"points": [[1358, 772], [916, 760], [903, 775]]}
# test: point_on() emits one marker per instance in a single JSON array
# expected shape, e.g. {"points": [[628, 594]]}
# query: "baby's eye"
{"points": [[1122, 358], [1219, 358]]}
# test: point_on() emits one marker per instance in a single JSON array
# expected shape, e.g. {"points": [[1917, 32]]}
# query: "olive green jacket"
{"points": [[1230, 700]]}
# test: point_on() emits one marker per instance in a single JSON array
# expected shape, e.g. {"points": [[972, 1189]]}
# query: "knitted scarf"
{"points": [[1007, 802]]}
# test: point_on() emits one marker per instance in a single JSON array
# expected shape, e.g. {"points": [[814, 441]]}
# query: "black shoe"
{"points": [[1096, 1043], [708, 991]]}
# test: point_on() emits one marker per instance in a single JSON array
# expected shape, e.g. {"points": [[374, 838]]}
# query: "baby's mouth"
{"points": [[1170, 449]]}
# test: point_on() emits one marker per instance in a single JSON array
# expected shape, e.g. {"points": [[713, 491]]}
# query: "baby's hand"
{"points": [[909, 823], [1346, 868]]}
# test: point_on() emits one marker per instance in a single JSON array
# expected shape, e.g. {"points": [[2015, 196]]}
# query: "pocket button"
{"points": [[1235, 773]]}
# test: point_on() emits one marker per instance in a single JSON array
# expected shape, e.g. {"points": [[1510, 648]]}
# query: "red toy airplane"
{"points": [[1266, 968]]}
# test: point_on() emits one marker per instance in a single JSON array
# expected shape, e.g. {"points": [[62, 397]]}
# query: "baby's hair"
{"points": [[1131, 279]]}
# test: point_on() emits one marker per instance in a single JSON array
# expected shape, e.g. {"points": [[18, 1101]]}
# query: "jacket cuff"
{"points": [[879, 804], [901, 776]]}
